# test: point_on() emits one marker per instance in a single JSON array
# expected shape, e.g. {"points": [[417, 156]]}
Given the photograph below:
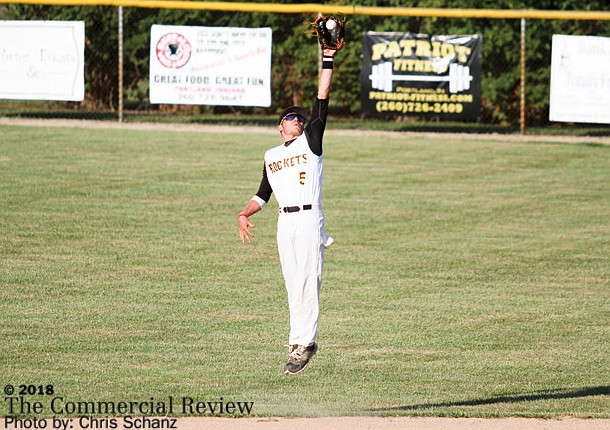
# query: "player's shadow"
{"points": [[558, 393]]}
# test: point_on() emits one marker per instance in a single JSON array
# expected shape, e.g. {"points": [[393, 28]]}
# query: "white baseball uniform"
{"points": [[293, 171]]}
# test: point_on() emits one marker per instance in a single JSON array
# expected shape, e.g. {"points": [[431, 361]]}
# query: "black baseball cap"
{"points": [[293, 109]]}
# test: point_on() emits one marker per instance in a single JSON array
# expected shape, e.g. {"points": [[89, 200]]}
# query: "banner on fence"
{"points": [[42, 60], [417, 74], [221, 66], [580, 79]]}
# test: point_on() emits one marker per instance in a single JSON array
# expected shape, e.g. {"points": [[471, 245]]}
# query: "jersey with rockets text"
{"points": [[293, 171]]}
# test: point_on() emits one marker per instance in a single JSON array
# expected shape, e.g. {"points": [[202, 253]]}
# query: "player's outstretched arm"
{"points": [[326, 75], [244, 224]]}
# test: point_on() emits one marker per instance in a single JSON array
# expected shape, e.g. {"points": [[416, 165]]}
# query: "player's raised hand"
{"points": [[244, 229]]}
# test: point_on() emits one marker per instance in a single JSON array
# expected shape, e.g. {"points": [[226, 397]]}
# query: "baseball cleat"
{"points": [[298, 357]]}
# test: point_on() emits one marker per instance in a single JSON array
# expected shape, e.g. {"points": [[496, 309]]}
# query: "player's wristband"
{"points": [[327, 62], [242, 214]]}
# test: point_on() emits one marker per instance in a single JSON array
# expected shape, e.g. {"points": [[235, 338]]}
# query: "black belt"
{"points": [[290, 209]]}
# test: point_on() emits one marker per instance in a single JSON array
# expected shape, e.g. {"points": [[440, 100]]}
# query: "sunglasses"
{"points": [[292, 116]]}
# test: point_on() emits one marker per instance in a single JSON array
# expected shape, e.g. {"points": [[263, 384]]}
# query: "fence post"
{"points": [[522, 120], [120, 64]]}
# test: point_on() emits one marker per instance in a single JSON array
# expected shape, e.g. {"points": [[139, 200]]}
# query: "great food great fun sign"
{"points": [[227, 66]]}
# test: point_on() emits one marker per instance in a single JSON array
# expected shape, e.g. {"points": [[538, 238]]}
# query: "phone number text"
{"points": [[416, 107]]}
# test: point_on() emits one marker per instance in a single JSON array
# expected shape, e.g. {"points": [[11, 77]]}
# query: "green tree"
{"points": [[295, 60]]}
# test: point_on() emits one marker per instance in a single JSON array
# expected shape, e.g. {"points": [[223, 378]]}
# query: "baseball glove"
{"points": [[330, 32]]}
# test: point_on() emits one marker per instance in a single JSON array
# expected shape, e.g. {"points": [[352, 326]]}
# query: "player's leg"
{"points": [[302, 256], [310, 260], [286, 250]]}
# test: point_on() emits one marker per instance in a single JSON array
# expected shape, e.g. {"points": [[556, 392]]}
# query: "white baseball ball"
{"points": [[330, 24]]}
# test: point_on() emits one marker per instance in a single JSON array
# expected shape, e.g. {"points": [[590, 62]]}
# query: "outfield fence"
{"points": [[515, 66]]}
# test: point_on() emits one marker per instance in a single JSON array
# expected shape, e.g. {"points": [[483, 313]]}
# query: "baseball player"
{"points": [[293, 171]]}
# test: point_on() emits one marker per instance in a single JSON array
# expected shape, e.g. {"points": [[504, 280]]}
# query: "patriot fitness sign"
{"points": [[421, 75]]}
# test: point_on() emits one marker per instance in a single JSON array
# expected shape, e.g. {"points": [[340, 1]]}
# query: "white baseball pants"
{"points": [[301, 238]]}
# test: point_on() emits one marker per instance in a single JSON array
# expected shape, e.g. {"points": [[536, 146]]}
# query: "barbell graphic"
{"points": [[382, 77]]}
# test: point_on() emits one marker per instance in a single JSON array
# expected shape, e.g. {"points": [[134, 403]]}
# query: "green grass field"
{"points": [[468, 278]]}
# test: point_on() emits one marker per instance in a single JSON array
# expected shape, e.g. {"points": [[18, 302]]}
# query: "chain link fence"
{"points": [[294, 63]]}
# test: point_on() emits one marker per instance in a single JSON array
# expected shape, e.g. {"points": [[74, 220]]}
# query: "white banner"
{"points": [[580, 79], [42, 60], [227, 66]]}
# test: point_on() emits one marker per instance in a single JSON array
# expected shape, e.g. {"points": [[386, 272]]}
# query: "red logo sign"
{"points": [[173, 50]]}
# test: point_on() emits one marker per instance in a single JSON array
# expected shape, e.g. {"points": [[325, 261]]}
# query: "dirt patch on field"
{"points": [[334, 423], [358, 423], [604, 140]]}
